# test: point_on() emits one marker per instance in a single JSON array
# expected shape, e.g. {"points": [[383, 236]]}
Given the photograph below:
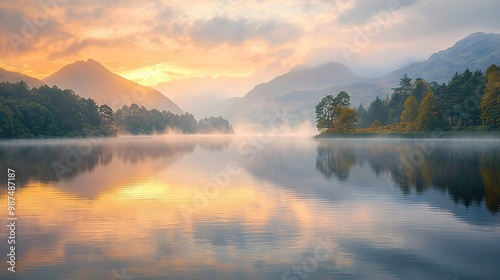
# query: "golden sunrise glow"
{"points": [[157, 42], [151, 205]]}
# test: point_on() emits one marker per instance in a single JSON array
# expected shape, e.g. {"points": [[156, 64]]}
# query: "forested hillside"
{"points": [[50, 112], [469, 101], [136, 120]]}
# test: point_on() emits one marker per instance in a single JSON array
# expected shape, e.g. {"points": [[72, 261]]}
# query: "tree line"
{"points": [[49, 112], [137, 120], [469, 101]]}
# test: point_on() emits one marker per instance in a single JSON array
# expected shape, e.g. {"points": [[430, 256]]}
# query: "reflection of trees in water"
{"points": [[335, 160], [214, 144], [140, 151], [35, 162], [469, 175], [52, 161], [490, 173]]}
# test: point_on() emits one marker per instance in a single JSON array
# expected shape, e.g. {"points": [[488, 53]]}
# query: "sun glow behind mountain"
{"points": [[154, 42]]}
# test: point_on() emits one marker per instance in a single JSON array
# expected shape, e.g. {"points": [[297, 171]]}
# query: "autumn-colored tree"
{"points": [[348, 118], [410, 112], [491, 180], [490, 103], [329, 109], [395, 103], [428, 115], [376, 124]]}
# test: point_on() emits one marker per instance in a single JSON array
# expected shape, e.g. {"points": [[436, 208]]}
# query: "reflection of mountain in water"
{"points": [[468, 173], [59, 160]]}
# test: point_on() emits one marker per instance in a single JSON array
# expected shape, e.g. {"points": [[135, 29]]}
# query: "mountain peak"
{"points": [[90, 79], [85, 65], [305, 78], [476, 51], [477, 39]]}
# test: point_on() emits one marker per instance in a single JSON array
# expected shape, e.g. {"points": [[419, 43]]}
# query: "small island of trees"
{"points": [[470, 101]]}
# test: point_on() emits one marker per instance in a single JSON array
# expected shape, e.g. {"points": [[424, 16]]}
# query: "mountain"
{"points": [[290, 99], [290, 93], [216, 108], [476, 52], [306, 78], [90, 79], [14, 77]]}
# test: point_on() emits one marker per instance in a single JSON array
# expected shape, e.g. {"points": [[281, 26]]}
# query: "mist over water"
{"points": [[254, 207]]}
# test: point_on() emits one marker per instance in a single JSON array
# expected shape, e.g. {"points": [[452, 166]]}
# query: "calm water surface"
{"points": [[253, 208]]}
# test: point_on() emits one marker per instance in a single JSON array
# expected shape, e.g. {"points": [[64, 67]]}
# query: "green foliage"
{"points": [[334, 114], [405, 87], [324, 113], [138, 120], [342, 99], [214, 125], [363, 120], [45, 112], [459, 99], [107, 120], [420, 89], [38, 120], [377, 111], [398, 97], [490, 103], [464, 103]]}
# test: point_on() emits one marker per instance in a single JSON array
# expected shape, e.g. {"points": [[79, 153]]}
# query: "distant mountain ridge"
{"points": [[476, 52], [90, 79], [296, 100], [303, 82], [14, 77], [307, 78]]}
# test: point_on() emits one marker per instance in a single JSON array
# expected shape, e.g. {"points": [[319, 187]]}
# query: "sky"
{"points": [[224, 48]]}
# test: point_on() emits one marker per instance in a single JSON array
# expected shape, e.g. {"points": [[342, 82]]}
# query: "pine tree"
{"points": [[398, 97], [377, 111], [363, 117], [420, 89]]}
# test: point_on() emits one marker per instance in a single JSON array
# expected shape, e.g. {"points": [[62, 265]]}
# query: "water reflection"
{"points": [[55, 160], [121, 209], [333, 160], [469, 172]]}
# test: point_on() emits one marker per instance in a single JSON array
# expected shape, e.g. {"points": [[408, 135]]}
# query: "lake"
{"points": [[252, 207]]}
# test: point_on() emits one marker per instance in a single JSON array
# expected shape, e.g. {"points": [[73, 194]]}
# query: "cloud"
{"points": [[28, 31], [77, 46], [224, 30], [234, 37], [361, 11]]}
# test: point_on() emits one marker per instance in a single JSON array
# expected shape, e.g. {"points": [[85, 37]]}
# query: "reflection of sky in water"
{"points": [[125, 212]]}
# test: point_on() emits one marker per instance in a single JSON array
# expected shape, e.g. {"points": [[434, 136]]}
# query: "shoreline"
{"points": [[451, 135]]}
